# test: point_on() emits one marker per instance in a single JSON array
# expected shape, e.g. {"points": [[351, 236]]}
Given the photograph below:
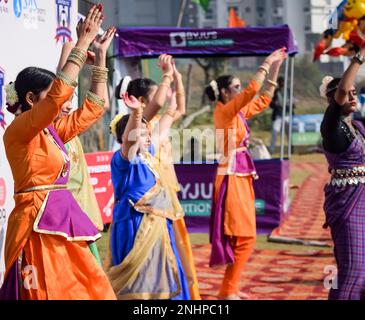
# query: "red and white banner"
{"points": [[99, 169]]}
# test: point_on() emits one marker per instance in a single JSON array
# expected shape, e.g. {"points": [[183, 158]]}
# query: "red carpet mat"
{"points": [[306, 217], [270, 275], [283, 275]]}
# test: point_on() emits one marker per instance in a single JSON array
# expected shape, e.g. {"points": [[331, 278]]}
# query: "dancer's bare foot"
{"points": [[230, 297], [238, 296], [245, 296]]}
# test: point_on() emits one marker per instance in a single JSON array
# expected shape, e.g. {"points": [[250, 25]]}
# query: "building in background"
{"points": [[306, 18], [135, 13]]}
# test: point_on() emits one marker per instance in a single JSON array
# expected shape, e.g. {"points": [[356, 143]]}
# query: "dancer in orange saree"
{"points": [[79, 180], [46, 251], [233, 220]]}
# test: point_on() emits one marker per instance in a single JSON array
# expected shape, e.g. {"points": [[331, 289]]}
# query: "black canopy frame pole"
{"points": [[282, 139], [291, 106]]}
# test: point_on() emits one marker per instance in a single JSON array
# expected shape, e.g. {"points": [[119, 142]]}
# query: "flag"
{"points": [[203, 3], [234, 21]]}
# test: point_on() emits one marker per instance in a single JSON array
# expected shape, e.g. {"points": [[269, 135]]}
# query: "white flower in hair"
{"points": [[323, 88], [124, 86], [11, 95], [214, 86]]}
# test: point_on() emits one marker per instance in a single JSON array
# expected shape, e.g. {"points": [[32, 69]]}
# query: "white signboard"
{"points": [[31, 34]]}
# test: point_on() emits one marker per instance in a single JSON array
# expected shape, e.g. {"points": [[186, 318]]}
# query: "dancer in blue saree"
{"points": [[146, 263]]}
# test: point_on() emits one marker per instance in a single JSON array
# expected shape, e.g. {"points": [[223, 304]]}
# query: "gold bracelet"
{"points": [[138, 114], [168, 76], [171, 112], [99, 79], [180, 94], [77, 56], [99, 74], [265, 70], [79, 51], [75, 60], [92, 97], [98, 69], [273, 83]]}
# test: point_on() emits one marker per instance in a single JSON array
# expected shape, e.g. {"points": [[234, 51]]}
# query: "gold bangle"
{"points": [[92, 97], [265, 70], [79, 51], [138, 114], [96, 80], [99, 74], [99, 79], [168, 76], [171, 112], [77, 56], [75, 60], [273, 83]]}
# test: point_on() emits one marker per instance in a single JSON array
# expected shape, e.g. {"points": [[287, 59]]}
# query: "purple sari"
{"points": [[345, 214]]}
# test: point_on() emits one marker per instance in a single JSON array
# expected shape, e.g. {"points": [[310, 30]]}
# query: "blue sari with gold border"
{"points": [[146, 263]]}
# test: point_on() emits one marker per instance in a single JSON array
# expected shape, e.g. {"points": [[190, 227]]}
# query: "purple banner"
{"points": [[271, 191], [186, 42]]}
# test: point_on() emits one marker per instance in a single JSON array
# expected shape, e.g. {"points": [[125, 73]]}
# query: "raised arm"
{"points": [[159, 99], [259, 104], [88, 30], [233, 107], [95, 103], [348, 79], [43, 113], [162, 129], [180, 94]]}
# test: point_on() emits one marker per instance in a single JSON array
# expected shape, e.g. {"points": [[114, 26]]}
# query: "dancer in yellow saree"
{"points": [[145, 258], [169, 179]]}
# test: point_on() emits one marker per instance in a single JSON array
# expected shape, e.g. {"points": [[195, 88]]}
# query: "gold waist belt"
{"points": [[44, 188]]}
